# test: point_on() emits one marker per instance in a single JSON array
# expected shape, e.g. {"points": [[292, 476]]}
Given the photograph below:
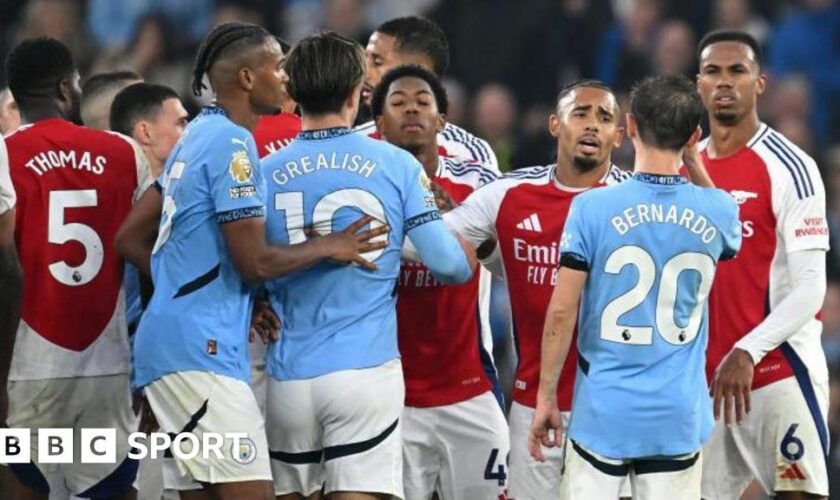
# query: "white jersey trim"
{"points": [[7, 190], [36, 358]]}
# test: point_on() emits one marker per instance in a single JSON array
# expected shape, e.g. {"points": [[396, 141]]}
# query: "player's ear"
{"points": [[632, 126], [554, 125], [379, 126], [64, 90], [441, 122], [619, 137], [246, 78], [354, 97], [761, 83], [141, 133]]}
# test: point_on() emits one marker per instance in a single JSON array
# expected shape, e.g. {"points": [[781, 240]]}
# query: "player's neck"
{"points": [[318, 122], [155, 165], [656, 161], [37, 113], [429, 158], [569, 175], [243, 116], [727, 140]]}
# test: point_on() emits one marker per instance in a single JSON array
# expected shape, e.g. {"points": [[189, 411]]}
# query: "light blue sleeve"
{"points": [[437, 246], [235, 177], [730, 228], [575, 250]]}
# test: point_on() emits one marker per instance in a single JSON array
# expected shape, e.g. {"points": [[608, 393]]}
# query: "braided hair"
{"points": [[217, 42]]}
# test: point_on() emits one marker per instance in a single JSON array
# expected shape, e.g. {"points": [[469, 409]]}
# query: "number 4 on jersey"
{"points": [[499, 474]]}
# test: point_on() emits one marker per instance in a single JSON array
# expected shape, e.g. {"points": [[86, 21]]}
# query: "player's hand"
{"points": [[348, 245], [691, 158], [444, 202], [546, 428], [148, 422], [264, 323], [731, 386]]}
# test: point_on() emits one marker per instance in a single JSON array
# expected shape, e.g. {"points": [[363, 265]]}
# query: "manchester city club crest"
{"points": [[245, 452]]}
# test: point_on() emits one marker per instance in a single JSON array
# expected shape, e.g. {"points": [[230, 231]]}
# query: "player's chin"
{"points": [[585, 163], [269, 109], [725, 115]]}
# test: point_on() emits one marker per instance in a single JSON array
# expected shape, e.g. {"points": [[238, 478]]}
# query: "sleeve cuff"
{"points": [[756, 354], [573, 261]]}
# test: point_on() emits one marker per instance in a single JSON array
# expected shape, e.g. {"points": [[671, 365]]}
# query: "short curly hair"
{"points": [[377, 103]]}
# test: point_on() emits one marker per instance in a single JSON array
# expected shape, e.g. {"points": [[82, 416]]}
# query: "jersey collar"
{"points": [[667, 180], [323, 133], [213, 110]]}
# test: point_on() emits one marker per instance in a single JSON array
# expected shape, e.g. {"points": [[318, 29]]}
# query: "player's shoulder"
{"points": [[616, 175], [786, 162], [213, 126], [365, 129], [117, 138], [452, 132], [717, 200], [464, 171], [16, 135], [537, 173], [500, 188]]}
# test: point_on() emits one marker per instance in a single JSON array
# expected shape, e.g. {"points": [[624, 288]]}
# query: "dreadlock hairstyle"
{"points": [[222, 41]]}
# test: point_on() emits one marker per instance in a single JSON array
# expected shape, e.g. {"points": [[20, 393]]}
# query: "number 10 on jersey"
{"points": [[325, 210]]}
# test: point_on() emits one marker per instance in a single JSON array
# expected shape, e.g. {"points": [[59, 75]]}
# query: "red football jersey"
{"points": [[74, 187], [782, 209], [526, 211], [275, 132], [439, 326]]}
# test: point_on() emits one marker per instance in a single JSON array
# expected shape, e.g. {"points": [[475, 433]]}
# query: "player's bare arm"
{"points": [[257, 261], [136, 237], [557, 339], [11, 282]]}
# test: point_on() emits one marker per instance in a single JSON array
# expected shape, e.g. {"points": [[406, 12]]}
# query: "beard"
{"points": [[726, 117], [74, 115], [585, 163]]}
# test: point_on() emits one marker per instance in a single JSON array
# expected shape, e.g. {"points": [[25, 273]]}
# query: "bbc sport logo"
{"points": [[96, 446]]}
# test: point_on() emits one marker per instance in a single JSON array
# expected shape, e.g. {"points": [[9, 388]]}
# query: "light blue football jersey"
{"points": [[650, 246], [199, 315], [339, 317]]}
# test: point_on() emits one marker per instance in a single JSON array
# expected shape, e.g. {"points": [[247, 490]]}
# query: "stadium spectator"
{"points": [[9, 112], [98, 93], [624, 55], [806, 42], [738, 15], [673, 53], [494, 111]]}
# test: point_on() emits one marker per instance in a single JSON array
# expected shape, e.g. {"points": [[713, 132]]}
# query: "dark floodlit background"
{"points": [[509, 58]]}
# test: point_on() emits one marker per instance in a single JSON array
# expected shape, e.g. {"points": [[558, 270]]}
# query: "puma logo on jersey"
{"points": [[741, 197], [530, 223], [234, 140]]}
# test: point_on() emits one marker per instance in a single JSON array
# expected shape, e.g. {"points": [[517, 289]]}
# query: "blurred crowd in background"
{"points": [[508, 60]]}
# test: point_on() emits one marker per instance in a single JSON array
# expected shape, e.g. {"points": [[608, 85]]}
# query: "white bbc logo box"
{"points": [[97, 446], [15, 446]]}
